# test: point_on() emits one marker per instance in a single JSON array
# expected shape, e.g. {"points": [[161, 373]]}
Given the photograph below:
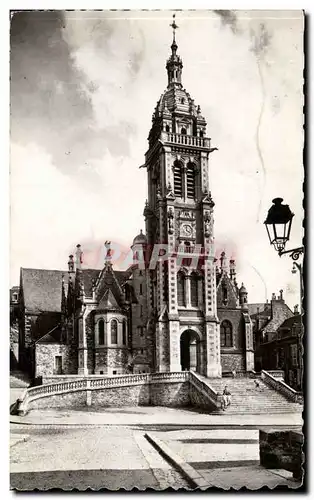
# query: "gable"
{"points": [[108, 301], [108, 281], [226, 293]]}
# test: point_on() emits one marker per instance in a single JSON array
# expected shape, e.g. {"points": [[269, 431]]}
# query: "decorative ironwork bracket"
{"points": [[294, 253]]}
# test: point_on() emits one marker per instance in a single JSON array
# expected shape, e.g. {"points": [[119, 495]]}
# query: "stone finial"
{"points": [[296, 309], [273, 296], [79, 256], [232, 269], [108, 256], [280, 295], [223, 262]]}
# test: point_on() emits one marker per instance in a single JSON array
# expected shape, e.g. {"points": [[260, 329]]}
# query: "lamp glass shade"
{"points": [[278, 224]]}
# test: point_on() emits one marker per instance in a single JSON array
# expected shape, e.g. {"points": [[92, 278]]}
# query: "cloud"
{"points": [[58, 102]]}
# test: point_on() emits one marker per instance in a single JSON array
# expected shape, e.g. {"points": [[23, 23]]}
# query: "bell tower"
{"points": [[179, 229]]}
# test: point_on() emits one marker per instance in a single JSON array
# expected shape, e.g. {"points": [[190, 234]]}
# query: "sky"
{"points": [[84, 86]]}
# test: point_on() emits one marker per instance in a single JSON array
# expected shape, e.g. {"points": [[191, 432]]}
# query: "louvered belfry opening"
{"points": [[194, 290], [181, 289], [177, 179], [190, 181]]}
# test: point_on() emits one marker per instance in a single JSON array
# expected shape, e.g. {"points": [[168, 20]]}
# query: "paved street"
{"points": [[109, 457], [154, 415], [108, 449]]}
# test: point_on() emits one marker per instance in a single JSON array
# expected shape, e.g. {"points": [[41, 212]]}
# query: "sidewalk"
{"points": [[151, 416]]}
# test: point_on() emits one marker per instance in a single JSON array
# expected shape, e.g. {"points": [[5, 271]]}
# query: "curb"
{"points": [[193, 477]]}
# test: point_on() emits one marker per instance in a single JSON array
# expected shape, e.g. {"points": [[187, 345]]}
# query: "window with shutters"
{"points": [[114, 331], [190, 181], [226, 334], [181, 289], [177, 179], [101, 332], [194, 290]]}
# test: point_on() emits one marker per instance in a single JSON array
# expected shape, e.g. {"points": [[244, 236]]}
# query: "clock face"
{"points": [[187, 229]]}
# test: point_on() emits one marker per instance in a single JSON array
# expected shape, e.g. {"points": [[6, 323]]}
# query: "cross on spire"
{"points": [[174, 26]]}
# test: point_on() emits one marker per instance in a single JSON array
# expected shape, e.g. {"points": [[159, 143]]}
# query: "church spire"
{"points": [[174, 64]]}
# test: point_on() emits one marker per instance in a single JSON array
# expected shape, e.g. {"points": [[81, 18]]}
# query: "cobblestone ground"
{"points": [[109, 457]]}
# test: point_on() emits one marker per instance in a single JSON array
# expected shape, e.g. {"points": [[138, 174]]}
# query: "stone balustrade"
{"points": [[205, 388], [279, 385], [88, 384], [185, 140]]}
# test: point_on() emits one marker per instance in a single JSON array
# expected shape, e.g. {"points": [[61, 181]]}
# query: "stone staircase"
{"points": [[246, 398]]}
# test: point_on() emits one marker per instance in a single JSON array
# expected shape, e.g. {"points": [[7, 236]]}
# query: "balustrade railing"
{"points": [[87, 384], [204, 387], [186, 140], [279, 385]]}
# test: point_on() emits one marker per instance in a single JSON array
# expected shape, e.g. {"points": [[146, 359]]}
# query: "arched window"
{"points": [[224, 295], [167, 128], [183, 131], [182, 100], [190, 181], [226, 334], [181, 289], [177, 179], [194, 290], [124, 333], [201, 133], [114, 331], [101, 332]]}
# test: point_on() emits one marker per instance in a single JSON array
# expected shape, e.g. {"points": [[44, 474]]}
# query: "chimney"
{"points": [[71, 264], [280, 296], [296, 310], [273, 296]]}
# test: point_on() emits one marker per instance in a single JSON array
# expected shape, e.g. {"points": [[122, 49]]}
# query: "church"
{"points": [[178, 310]]}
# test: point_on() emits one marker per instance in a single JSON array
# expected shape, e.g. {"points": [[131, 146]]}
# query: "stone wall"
{"points": [[173, 394], [282, 450], [232, 361], [176, 394], [200, 400], [69, 400], [233, 358], [45, 359]]}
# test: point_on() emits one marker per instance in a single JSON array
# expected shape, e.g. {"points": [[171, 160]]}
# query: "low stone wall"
{"points": [[200, 400], [137, 395], [69, 400], [173, 394], [282, 450]]}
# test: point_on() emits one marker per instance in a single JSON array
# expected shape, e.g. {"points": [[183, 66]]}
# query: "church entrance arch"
{"points": [[190, 351]]}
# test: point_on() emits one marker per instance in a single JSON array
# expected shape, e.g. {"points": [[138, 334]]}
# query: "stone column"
{"points": [[82, 351]]}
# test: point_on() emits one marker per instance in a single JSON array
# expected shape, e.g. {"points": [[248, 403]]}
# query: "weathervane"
{"points": [[174, 26]]}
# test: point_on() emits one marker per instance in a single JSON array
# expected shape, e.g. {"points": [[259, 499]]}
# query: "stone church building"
{"points": [[182, 313]]}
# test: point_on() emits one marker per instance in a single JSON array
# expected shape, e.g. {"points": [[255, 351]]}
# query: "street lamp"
{"points": [[278, 226]]}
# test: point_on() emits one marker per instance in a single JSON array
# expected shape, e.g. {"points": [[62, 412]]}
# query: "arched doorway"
{"points": [[190, 351]]}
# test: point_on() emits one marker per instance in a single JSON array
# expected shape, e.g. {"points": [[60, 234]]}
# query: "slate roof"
{"points": [[88, 276], [277, 320], [52, 337], [291, 322], [264, 308], [41, 289]]}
